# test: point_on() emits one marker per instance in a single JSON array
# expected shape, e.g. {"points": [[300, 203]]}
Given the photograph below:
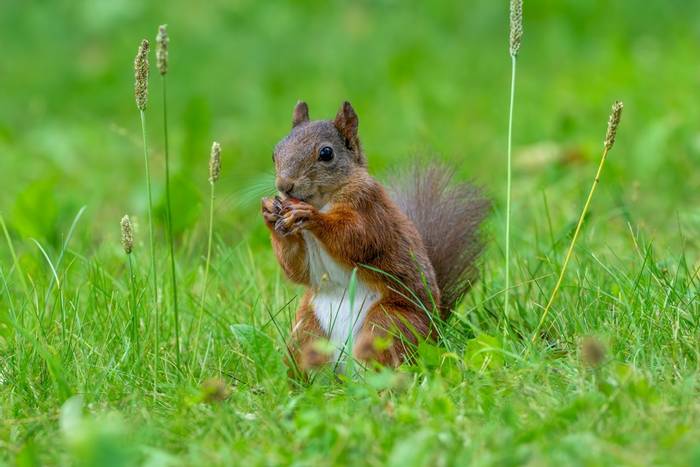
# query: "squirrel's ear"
{"points": [[346, 122], [301, 113]]}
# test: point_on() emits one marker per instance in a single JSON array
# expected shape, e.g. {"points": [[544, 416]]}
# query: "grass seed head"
{"points": [[141, 75], [214, 390], [162, 49], [215, 162], [613, 122], [516, 26], [592, 352], [127, 235]]}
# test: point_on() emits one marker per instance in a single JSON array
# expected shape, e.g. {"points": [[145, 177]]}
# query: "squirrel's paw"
{"points": [[294, 217], [271, 208]]}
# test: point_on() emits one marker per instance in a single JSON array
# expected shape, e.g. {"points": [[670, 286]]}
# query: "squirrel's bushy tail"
{"points": [[448, 217]]}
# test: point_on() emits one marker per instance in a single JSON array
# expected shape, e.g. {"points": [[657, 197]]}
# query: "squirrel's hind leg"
{"points": [[389, 332], [306, 331]]}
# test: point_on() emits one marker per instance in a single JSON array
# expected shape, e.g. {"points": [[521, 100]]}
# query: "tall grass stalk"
{"points": [[134, 313], [214, 173], [141, 94], [127, 240], [152, 247], [162, 61], [608, 143], [516, 32]]}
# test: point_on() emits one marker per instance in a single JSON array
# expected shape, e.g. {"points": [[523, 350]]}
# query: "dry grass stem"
{"points": [[613, 122]]}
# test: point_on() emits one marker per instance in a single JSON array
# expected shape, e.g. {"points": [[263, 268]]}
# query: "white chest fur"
{"points": [[331, 300]]}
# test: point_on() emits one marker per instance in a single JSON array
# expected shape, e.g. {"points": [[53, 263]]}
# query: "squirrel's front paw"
{"points": [[271, 208], [293, 217]]}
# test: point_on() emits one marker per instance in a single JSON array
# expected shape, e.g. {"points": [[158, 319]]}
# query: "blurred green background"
{"points": [[427, 78]]}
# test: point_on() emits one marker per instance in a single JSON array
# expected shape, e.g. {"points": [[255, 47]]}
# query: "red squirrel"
{"points": [[414, 250]]}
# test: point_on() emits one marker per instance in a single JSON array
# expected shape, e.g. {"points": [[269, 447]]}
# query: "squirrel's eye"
{"points": [[325, 154], [273, 157]]}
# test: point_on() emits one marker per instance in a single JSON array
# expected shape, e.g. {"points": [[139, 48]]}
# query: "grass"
{"points": [[74, 387], [613, 123]]}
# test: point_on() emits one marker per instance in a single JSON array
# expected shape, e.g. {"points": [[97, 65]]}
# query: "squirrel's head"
{"points": [[318, 158]]}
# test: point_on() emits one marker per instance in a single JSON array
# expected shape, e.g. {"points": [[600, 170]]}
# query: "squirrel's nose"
{"points": [[285, 185]]}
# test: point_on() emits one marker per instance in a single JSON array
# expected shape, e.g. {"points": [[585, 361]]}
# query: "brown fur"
{"points": [[365, 227], [448, 217], [305, 333]]}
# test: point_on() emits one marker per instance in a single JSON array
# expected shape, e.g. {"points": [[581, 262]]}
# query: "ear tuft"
{"points": [[301, 113], [346, 122]]}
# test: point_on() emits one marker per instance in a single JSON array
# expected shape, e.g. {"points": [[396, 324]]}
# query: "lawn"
{"points": [[89, 368]]}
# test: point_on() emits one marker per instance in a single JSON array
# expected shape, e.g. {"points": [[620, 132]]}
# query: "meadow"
{"points": [[90, 372]]}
